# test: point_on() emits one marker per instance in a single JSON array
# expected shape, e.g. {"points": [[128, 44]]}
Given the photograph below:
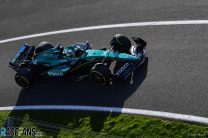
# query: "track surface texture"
{"points": [[174, 77]]}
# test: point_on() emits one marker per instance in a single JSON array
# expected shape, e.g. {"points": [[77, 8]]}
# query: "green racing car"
{"points": [[77, 61]]}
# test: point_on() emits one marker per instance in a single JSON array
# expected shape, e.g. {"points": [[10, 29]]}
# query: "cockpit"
{"points": [[73, 51]]}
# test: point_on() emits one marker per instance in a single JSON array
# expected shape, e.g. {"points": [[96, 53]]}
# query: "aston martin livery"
{"points": [[77, 61]]}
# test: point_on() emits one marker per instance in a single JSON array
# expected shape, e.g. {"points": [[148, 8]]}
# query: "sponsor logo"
{"points": [[35, 62], [122, 69], [55, 74]]}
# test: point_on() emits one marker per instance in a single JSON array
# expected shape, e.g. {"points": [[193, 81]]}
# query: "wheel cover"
{"points": [[22, 81]]}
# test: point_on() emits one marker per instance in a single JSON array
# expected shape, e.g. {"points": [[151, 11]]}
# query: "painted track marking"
{"points": [[160, 114], [122, 25]]}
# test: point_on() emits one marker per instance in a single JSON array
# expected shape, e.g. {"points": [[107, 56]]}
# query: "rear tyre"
{"points": [[24, 78], [100, 74], [43, 46]]}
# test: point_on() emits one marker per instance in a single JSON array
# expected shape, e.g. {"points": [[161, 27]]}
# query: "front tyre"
{"points": [[24, 78], [121, 43], [100, 74]]}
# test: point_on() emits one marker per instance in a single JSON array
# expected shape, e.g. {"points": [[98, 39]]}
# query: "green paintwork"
{"points": [[61, 64], [111, 55], [59, 71], [50, 57]]}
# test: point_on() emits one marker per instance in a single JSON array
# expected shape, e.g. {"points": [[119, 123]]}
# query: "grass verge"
{"points": [[91, 124]]}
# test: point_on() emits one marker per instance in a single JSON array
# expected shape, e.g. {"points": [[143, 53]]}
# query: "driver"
{"points": [[70, 53], [74, 51]]}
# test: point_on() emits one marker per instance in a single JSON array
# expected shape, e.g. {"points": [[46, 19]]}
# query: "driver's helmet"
{"points": [[70, 53], [74, 51], [78, 51]]}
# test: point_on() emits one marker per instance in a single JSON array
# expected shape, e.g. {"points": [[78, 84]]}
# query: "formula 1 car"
{"points": [[77, 60]]}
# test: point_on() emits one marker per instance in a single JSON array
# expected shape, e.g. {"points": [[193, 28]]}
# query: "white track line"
{"points": [[174, 116], [156, 23]]}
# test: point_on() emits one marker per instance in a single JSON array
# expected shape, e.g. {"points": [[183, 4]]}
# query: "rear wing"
{"points": [[23, 55]]}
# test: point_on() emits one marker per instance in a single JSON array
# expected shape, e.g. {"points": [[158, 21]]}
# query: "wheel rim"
{"points": [[98, 78], [22, 81]]}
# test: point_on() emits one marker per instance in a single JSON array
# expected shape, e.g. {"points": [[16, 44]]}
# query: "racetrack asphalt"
{"points": [[174, 77]]}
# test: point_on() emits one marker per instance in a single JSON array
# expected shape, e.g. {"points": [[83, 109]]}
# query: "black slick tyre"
{"points": [[43, 46], [24, 78], [100, 74], [121, 43]]}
